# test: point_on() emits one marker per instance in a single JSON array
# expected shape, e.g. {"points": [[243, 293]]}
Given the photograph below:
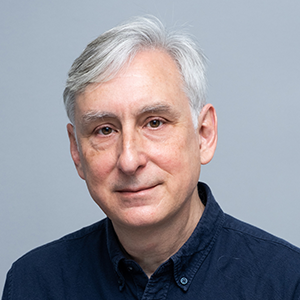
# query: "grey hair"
{"points": [[106, 55]]}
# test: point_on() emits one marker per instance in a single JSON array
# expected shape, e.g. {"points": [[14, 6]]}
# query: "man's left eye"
{"points": [[155, 123]]}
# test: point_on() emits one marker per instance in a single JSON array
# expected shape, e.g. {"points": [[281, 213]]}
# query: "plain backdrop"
{"points": [[253, 48]]}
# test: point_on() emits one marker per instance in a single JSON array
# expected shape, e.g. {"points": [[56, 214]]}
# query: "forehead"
{"points": [[151, 77]]}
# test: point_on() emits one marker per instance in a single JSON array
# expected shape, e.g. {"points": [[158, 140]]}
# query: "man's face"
{"points": [[137, 147]]}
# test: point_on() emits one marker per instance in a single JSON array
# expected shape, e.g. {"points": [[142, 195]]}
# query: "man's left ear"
{"points": [[208, 133]]}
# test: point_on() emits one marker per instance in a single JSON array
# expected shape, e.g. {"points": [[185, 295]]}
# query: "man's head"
{"points": [[135, 140], [106, 55]]}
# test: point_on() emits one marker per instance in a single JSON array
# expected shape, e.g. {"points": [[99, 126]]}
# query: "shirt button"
{"points": [[130, 269], [184, 280]]}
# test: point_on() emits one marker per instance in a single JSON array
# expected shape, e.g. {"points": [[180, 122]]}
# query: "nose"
{"points": [[132, 156]]}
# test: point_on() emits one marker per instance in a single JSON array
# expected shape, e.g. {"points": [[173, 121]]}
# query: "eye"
{"points": [[155, 123], [106, 130]]}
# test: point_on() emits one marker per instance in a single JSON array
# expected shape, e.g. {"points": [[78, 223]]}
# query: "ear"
{"points": [[208, 133], [75, 150]]}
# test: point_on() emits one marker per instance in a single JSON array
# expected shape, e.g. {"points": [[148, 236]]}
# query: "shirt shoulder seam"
{"points": [[76, 235], [270, 239]]}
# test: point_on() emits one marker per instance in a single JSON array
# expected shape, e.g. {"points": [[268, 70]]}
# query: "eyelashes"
{"points": [[155, 123], [107, 130]]}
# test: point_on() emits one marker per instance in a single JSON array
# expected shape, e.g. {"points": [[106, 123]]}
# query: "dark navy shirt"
{"points": [[223, 259]]}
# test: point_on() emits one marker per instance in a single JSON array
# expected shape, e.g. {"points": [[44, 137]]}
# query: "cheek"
{"points": [[97, 165], [170, 160], [177, 156]]}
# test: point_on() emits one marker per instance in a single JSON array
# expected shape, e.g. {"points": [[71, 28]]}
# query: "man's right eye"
{"points": [[105, 130]]}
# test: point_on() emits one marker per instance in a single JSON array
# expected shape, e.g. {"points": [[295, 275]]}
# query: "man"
{"points": [[140, 131]]}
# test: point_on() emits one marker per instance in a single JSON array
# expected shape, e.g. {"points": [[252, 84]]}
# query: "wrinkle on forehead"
{"points": [[134, 63], [162, 80]]}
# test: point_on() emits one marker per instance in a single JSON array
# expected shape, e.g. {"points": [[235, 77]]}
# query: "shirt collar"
{"points": [[191, 255]]}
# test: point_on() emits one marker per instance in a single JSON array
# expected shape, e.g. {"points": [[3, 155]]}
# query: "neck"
{"points": [[153, 245]]}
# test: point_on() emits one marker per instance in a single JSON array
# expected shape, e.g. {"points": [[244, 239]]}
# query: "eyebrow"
{"points": [[92, 116], [156, 108]]}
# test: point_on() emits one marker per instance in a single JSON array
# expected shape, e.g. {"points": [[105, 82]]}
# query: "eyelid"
{"points": [[161, 120], [99, 128]]}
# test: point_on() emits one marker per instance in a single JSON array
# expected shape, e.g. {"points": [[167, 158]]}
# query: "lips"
{"points": [[133, 190]]}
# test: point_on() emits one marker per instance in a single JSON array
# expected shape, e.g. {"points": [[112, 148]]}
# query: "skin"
{"points": [[140, 155]]}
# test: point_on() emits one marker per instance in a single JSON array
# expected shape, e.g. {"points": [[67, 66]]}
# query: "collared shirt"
{"points": [[223, 259]]}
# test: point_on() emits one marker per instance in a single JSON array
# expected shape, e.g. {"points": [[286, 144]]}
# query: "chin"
{"points": [[140, 217]]}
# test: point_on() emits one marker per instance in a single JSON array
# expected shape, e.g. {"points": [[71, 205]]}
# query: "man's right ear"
{"points": [[75, 150]]}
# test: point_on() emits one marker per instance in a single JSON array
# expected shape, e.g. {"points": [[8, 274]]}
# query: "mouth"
{"points": [[136, 190]]}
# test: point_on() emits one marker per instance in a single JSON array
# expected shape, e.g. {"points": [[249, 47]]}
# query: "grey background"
{"points": [[253, 49]]}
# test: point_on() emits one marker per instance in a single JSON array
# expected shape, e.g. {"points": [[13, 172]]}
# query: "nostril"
{"points": [[128, 161], [131, 156], [131, 160]]}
